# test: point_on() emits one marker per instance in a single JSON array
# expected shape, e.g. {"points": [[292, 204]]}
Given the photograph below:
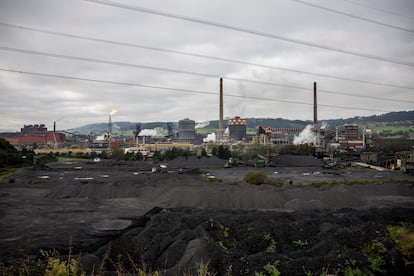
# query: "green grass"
{"points": [[351, 182], [6, 172], [206, 130], [392, 128]]}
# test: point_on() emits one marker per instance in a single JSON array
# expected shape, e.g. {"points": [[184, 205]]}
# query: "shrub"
{"points": [[403, 236], [255, 177]]}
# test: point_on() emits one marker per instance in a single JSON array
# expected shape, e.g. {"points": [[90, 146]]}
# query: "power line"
{"points": [[381, 10], [354, 16], [184, 90], [319, 90], [197, 55], [249, 31], [170, 70]]}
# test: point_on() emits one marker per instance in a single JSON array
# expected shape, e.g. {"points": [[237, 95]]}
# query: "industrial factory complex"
{"points": [[184, 135]]}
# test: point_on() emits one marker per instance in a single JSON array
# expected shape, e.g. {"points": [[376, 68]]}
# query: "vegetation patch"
{"points": [[352, 182], [259, 177], [271, 247], [211, 178], [255, 177], [300, 243], [270, 269], [223, 236], [403, 236], [374, 250], [6, 172]]}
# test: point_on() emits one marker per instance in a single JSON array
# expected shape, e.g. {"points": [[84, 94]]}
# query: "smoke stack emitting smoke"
{"points": [[307, 136]]}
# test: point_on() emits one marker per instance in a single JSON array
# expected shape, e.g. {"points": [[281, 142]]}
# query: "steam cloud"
{"points": [[202, 125], [155, 132], [210, 138], [307, 136]]}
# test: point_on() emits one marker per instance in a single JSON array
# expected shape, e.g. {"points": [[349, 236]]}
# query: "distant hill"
{"points": [[100, 128], [402, 117]]}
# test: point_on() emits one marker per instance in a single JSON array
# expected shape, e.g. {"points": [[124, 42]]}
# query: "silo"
{"points": [[237, 128], [186, 130]]}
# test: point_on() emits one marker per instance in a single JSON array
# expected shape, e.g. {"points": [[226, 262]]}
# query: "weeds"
{"points": [[255, 177], [300, 243], [6, 172], [374, 250], [223, 235], [270, 269], [271, 247], [352, 182], [403, 237], [202, 269], [307, 272]]}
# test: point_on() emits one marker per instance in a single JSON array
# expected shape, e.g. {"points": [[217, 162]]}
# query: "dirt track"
{"points": [[44, 209]]}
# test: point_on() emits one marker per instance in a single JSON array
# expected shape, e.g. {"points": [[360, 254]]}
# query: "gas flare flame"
{"points": [[113, 111]]}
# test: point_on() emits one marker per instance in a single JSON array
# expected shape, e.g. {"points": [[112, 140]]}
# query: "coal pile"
{"points": [[239, 242]]}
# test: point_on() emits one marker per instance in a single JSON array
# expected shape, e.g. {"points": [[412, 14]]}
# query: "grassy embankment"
{"points": [[259, 177]]}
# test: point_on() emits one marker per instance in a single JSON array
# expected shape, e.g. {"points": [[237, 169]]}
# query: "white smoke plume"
{"points": [[210, 138], [307, 136], [202, 125], [100, 138], [324, 125], [155, 132]]}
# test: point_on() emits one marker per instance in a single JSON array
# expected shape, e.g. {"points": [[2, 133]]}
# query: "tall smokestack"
{"points": [[109, 134], [315, 107], [221, 123], [54, 126]]}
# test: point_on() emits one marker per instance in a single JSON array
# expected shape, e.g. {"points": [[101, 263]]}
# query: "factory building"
{"points": [[349, 138], [275, 135], [237, 129], [34, 134], [186, 131]]}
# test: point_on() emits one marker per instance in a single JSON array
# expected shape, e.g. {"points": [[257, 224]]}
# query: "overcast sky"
{"points": [[31, 99]]}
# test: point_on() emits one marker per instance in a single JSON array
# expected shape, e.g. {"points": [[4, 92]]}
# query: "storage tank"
{"points": [[237, 128], [186, 130]]}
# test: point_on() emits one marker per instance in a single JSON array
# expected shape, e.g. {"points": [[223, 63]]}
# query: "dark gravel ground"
{"points": [[172, 221]]}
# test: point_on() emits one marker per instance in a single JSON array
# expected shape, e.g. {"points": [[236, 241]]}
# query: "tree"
{"points": [[9, 156], [214, 151], [118, 154], [223, 152]]}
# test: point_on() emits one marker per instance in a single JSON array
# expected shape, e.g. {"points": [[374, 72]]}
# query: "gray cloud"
{"points": [[28, 99]]}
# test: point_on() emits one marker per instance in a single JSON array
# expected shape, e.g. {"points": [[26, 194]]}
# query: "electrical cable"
{"points": [[381, 10], [184, 90], [170, 70], [353, 16], [197, 55], [249, 31]]}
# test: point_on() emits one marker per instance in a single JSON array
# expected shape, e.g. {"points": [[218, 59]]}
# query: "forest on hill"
{"points": [[399, 118]]}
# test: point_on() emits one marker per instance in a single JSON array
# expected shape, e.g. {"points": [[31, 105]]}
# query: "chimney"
{"points": [[54, 126], [337, 135], [221, 123], [315, 107]]}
